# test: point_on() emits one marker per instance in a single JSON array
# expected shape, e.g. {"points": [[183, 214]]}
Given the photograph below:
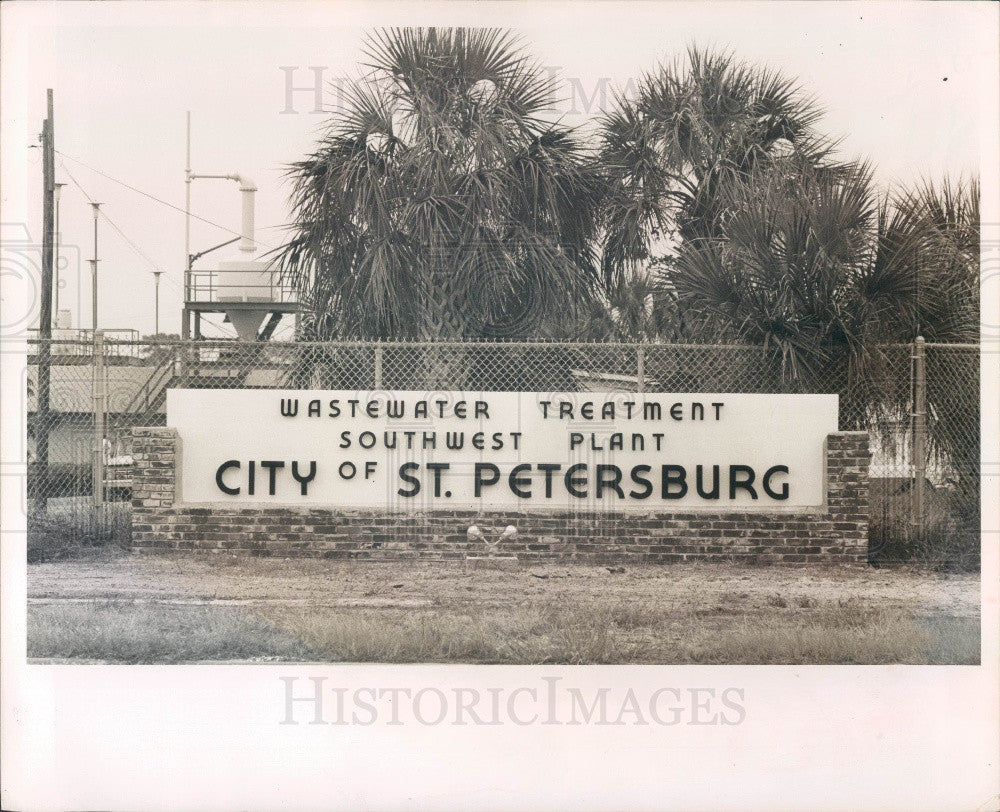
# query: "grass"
{"points": [[534, 632], [120, 632], [107, 605], [836, 637], [71, 530], [945, 547]]}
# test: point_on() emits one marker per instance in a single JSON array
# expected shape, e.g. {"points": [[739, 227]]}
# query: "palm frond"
{"points": [[439, 200]]}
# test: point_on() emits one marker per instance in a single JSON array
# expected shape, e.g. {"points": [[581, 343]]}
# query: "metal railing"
{"points": [[219, 286], [122, 342]]}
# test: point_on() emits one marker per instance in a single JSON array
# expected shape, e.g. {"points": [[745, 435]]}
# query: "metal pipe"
{"points": [[93, 267], [247, 190], [55, 263], [156, 330], [200, 254]]}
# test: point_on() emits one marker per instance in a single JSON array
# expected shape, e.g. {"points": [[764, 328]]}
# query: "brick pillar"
{"points": [[155, 485], [847, 459], [154, 475]]}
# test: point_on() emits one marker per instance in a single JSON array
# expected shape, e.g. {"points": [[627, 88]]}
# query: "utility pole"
{"points": [[157, 322], [55, 263], [185, 321], [45, 317], [93, 276]]}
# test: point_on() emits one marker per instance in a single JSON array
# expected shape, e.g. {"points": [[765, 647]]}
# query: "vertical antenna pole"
{"points": [[93, 263], [185, 322], [156, 329]]}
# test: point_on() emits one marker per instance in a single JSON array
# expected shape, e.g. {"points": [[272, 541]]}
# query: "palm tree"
{"points": [[944, 221], [628, 311], [693, 127], [817, 267], [441, 203], [810, 264]]}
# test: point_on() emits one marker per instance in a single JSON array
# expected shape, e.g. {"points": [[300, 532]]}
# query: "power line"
{"points": [[230, 331], [133, 246], [76, 183], [171, 282], [156, 199], [115, 226]]}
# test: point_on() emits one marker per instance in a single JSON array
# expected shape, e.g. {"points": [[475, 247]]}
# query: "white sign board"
{"points": [[407, 451]]}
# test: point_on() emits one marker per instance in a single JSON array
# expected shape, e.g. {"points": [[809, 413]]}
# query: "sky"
{"points": [[910, 87]]}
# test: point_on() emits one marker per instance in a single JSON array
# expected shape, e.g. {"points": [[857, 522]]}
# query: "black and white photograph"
{"points": [[544, 389]]}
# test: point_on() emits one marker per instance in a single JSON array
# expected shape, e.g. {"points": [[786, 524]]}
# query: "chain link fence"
{"points": [[919, 402]]}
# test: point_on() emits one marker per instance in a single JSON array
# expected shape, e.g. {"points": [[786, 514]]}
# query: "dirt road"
{"points": [[684, 586]]}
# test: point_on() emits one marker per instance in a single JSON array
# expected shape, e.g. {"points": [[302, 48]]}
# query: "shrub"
{"points": [[945, 546], [54, 536]]}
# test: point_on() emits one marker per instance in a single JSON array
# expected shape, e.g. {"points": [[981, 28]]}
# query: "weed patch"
{"points": [[124, 632]]}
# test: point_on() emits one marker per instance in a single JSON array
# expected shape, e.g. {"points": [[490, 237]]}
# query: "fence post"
{"points": [[99, 407], [378, 366], [640, 369], [919, 434]]}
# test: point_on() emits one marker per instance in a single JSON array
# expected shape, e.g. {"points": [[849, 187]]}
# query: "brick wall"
{"points": [[837, 532]]}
